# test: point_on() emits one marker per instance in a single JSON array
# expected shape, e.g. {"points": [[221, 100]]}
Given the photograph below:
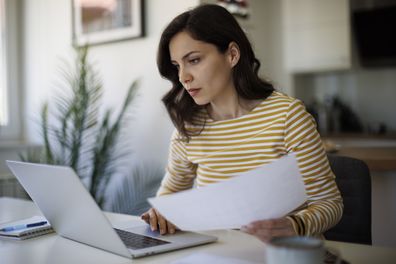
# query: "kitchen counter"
{"points": [[379, 152]]}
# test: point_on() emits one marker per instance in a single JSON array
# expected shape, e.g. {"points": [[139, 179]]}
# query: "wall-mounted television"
{"points": [[375, 35]]}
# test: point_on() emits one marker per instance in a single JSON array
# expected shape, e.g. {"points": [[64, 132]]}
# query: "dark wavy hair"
{"points": [[215, 25]]}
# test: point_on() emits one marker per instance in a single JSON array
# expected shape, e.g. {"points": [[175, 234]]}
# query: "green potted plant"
{"points": [[76, 135]]}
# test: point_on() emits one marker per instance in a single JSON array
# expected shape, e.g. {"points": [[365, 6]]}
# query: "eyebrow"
{"points": [[185, 56]]}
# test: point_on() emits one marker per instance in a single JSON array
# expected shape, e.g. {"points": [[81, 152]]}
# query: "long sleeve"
{"points": [[324, 205], [278, 126], [180, 172]]}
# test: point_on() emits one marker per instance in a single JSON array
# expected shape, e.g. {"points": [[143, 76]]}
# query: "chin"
{"points": [[200, 101]]}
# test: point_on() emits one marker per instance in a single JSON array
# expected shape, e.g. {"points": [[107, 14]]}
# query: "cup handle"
{"points": [[333, 256]]}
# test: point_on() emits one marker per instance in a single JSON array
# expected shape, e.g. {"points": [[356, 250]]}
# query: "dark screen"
{"points": [[375, 33]]}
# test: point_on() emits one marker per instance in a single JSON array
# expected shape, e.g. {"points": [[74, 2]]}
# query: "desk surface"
{"points": [[232, 244]]}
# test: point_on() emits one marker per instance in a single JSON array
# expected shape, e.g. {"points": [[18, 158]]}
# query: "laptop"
{"points": [[73, 214]]}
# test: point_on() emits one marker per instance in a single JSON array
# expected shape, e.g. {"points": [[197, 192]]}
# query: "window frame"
{"points": [[12, 131]]}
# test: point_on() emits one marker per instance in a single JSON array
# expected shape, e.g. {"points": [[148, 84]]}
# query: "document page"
{"points": [[270, 191]]}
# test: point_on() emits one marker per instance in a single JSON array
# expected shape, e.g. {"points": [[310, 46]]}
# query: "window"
{"points": [[10, 108]]}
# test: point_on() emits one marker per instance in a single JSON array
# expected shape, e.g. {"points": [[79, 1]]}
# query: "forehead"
{"points": [[182, 44]]}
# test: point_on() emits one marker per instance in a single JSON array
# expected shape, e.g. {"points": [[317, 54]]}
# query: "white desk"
{"points": [[53, 249]]}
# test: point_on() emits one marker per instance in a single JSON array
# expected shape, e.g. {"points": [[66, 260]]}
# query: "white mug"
{"points": [[296, 250]]}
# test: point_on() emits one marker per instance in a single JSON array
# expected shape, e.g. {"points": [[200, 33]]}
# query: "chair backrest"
{"points": [[354, 182]]}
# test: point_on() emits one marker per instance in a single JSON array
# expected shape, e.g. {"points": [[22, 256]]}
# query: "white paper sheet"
{"points": [[270, 191]]}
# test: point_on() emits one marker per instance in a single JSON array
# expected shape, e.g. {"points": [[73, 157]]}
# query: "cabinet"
{"points": [[316, 35]]}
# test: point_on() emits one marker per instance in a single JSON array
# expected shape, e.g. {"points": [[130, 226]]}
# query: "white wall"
{"points": [[371, 93], [48, 36], [264, 30]]}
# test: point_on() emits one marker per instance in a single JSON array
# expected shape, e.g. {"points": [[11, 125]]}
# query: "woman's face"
{"points": [[204, 72]]}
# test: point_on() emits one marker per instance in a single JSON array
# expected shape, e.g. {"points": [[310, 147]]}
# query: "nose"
{"points": [[184, 76]]}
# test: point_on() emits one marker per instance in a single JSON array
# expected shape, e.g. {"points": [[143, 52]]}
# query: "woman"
{"points": [[228, 121]]}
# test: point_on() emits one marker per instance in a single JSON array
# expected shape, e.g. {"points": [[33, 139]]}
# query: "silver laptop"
{"points": [[73, 214]]}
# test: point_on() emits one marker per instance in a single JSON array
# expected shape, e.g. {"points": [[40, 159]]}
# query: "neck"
{"points": [[231, 108]]}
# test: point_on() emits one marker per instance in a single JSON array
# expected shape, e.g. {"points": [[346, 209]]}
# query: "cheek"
{"points": [[218, 75]]}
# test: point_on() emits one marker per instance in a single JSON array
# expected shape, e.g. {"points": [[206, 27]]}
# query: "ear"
{"points": [[233, 53]]}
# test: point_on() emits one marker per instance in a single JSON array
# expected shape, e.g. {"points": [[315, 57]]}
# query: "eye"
{"points": [[194, 60]]}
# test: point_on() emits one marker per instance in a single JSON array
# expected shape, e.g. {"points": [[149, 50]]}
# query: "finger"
{"points": [[244, 228], [267, 234], [153, 220], [264, 233], [171, 228], [252, 230], [278, 232], [161, 223], [145, 217], [270, 224], [263, 236]]}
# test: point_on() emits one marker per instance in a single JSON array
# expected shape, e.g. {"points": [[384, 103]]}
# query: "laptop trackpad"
{"points": [[138, 227], [143, 230]]}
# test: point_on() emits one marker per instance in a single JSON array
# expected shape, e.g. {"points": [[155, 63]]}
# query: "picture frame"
{"points": [[103, 21]]}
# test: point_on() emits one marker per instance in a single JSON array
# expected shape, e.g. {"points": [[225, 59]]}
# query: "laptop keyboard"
{"points": [[136, 241]]}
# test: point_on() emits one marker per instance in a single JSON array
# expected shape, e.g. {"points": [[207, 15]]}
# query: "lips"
{"points": [[193, 91]]}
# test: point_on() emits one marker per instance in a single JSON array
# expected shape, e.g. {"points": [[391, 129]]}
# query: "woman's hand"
{"points": [[155, 220], [265, 230]]}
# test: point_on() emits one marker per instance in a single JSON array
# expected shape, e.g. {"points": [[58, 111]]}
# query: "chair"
{"points": [[354, 182]]}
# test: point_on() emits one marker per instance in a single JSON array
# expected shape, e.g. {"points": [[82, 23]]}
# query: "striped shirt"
{"points": [[277, 126]]}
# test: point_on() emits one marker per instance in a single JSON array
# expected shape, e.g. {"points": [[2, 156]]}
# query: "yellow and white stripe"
{"points": [[277, 126]]}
